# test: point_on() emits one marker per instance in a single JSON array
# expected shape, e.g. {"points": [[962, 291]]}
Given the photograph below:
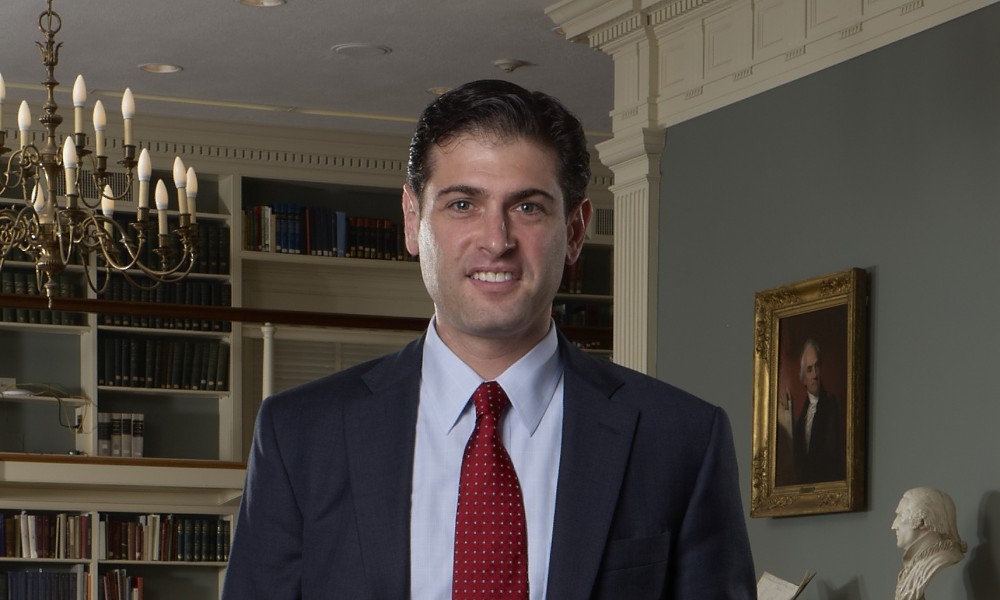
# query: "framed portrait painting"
{"points": [[809, 399]]}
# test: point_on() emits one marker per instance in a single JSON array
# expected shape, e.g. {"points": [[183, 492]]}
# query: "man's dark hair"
{"points": [[509, 112]]}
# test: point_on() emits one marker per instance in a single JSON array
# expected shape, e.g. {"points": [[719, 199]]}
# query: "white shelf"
{"points": [[45, 482], [164, 331], [145, 391], [7, 396], [584, 297], [163, 563], [45, 327]]}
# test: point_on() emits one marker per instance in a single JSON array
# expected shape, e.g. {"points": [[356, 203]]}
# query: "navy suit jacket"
{"points": [[647, 504]]}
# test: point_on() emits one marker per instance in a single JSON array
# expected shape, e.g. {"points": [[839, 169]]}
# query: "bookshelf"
{"points": [[87, 347], [89, 493]]}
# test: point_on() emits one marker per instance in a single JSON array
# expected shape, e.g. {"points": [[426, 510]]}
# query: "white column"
{"points": [[633, 154], [636, 163], [267, 370]]}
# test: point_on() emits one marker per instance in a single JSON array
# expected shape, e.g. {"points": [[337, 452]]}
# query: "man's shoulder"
{"points": [[624, 385]]}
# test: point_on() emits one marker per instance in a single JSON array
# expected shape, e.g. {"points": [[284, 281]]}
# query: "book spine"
{"points": [[103, 434], [222, 372], [21, 288], [188, 543], [342, 224], [116, 434], [7, 287], [138, 434], [126, 420]]}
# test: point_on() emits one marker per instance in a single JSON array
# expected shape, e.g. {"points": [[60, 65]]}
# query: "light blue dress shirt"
{"points": [[531, 431]]}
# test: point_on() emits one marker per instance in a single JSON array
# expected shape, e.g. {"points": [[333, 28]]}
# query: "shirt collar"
{"points": [[448, 383]]}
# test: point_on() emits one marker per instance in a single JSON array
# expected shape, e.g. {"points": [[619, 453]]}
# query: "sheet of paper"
{"points": [[771, 587]]}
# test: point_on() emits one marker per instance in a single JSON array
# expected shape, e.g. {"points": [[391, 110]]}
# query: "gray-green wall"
{"points": [[889, 162]]}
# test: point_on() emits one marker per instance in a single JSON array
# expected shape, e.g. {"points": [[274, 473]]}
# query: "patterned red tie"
{"points": [[491, 541]]}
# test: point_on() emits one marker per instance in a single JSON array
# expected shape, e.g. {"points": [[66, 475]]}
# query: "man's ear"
{"points": [[576, 229], [411, 220]]}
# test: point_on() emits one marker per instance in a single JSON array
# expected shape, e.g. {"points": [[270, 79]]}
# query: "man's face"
{"points": [[810, 371], [492, 237], [906, 533]]}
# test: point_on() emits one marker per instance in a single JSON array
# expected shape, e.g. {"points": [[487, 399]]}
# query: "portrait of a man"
{"points": [[811, 434], [810, 407]]}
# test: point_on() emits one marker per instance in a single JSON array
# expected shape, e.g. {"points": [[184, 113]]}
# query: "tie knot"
{"points": [[490, 399]]}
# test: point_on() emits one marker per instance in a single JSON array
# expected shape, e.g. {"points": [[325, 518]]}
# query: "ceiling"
{"points": [[276, 66]]}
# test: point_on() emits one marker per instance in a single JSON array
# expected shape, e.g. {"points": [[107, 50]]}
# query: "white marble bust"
{"points": [[927, 533]]}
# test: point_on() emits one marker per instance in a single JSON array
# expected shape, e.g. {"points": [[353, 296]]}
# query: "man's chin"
{"points": [[499, 329]]}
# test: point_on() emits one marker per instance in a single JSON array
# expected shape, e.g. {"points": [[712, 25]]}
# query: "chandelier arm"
{"points": [[102, 178], [91, 203], [9, 232], [25, 228], [140, 285], [12, 175], [67, 242], [183, 265], [126, 191], [106, 231], [91, 282]]}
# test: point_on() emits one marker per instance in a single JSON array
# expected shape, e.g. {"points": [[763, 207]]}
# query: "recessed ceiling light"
{"points": [[438, 90], [509, 65], [262, 3], [160, 68], [359, 50]]}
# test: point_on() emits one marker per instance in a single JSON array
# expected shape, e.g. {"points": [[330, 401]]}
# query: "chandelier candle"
{"points": [[79, 100]]}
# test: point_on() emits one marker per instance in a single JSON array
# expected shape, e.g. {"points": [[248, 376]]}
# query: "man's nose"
{"points": [[495, 235]]}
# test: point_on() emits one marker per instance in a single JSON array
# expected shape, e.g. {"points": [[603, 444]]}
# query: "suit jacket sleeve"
{"points": [[266, 556], [714, 561]]}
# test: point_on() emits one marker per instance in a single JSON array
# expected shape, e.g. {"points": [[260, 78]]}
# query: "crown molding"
{"points": [[695, 56]]}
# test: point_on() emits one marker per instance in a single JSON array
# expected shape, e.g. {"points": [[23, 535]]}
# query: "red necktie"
{"points": [[491, 541]]}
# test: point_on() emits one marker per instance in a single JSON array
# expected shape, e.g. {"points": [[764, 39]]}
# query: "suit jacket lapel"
{"points": [[381, 431], [597, 437]]}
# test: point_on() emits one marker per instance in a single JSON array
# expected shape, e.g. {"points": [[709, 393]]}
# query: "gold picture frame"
{"points": [[809, 399]]}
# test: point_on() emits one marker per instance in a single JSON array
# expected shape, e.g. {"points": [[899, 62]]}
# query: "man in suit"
{"points": [[626, 487], [819, 431]]}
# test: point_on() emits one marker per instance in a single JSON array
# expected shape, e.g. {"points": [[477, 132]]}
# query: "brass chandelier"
{"points": [[55, 231]]}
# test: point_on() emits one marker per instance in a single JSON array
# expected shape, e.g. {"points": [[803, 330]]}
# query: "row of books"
{"points": [[24, 282], [162, 363], [120, 434], [156, 537], [45, 535], [213, 247], [146, 537], [45, 585], [117, 584], [319, 231], [194, 292]]}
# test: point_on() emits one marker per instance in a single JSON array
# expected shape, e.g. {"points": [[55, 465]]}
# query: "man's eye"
{"points": [[528, 208], [461, 205]]}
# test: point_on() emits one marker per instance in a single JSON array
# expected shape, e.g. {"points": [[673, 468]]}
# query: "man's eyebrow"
{"points": [[530, 193], [465, 190]]}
